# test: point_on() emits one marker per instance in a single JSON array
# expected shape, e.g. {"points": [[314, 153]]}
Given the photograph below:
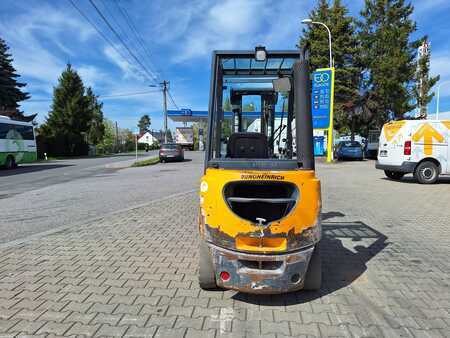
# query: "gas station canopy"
{"points": [[187, 115]]}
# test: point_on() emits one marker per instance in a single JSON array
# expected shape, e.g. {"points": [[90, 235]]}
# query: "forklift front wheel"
{"points": [[313, 279], [206, 275]]}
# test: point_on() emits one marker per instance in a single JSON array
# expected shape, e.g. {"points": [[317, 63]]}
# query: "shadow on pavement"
{"points": [[346, 249], [25, 169], [176, 161]]}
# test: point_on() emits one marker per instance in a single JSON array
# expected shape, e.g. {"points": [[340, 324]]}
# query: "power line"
{"points": [[104, 36], [152, 77], [127, 36], [130, 94], [172, 100], [138, 36], [146, 92]]}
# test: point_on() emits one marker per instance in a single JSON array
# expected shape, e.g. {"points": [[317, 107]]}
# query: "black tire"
{"points": [[394, 175], [206, 274], [427, 172], [313, 278], [10, 162]]}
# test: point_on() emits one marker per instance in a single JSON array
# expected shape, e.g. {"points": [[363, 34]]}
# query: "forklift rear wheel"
{"points": [[313, 279], [206, 275]]}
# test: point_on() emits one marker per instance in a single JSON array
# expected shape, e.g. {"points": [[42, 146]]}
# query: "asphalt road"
{"points": [[28, 177], [46, 196]]}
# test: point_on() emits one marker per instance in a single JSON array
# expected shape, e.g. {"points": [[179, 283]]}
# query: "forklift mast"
{"points": [[236, 74]]}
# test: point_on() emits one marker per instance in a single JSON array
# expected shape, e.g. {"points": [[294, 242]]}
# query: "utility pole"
{"points": [[164, 86], [117, 138], [422, 75]]}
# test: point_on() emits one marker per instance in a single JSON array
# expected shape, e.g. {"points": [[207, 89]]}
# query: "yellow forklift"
{"points": [[260, 201]]}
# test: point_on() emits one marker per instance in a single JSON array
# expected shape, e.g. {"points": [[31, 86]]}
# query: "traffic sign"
{"points": [[322, 97]]}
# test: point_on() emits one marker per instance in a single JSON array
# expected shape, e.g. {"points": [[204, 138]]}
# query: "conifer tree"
{"points": [[10, 88], [96, 127], [68, 121], [344, 50], [144, 123], [388, 56]]}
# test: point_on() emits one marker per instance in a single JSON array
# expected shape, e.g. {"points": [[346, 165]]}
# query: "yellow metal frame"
{"points": [[245, 235], [330, 127]]}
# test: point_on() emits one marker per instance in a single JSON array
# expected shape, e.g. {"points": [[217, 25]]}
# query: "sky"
{"points": [[178, 35]]}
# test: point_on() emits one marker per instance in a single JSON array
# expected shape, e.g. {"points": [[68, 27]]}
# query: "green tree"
{"points": [[344, 50], [108, 142], [248, 107], [96, 128], [424, 82], [128, 139], [144, 123], [68, 121], [10, 88], [388, 57]]}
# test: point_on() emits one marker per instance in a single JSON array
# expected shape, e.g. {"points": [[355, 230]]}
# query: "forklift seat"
{"points": [[247, 145]]}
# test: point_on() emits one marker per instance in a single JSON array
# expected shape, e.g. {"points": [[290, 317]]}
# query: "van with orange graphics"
{"points": [[420, 147]]}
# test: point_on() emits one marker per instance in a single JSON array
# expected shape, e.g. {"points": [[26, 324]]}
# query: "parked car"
{"points": [[171, 152], [349, 150]]}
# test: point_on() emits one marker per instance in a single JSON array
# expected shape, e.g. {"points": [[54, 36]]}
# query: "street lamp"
{"points": [[437, 97], [310, 22]]}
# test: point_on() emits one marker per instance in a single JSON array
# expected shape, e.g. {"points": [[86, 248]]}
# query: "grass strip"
{"points": [[150, 161]]}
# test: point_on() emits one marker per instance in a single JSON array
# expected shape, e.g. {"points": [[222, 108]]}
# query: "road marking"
{"points": [[224, 318]]}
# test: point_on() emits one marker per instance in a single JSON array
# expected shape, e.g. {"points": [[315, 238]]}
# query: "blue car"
{"points": [[347, 150]]}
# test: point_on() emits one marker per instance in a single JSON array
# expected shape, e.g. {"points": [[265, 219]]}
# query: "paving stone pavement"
{"points": [[134, 274]]}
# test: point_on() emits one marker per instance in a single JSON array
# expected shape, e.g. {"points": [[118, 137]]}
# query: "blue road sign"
{"points": [[321, 97]]}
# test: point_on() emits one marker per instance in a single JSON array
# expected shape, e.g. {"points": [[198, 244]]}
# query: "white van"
{"points": [[420, 147]]}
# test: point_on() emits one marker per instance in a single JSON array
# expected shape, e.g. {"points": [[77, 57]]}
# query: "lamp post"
{"points": [[330, 127], [437, 97], [310, 22]]}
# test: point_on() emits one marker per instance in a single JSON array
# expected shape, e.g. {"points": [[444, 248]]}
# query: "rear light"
{"points": [[225, 276], [407, 148]]}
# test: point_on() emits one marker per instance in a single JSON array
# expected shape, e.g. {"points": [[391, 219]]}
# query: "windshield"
{"points": [[257, 110], [169, 146], [351, 144]]}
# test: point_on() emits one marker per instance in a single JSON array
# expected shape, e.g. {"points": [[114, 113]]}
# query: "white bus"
{"points": [[17, 142]]}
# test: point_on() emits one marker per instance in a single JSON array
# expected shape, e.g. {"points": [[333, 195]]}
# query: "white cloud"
{"points": [[226, 25], [240, 24], [422, 6], [130, 71], [440, 66], [37, 35], [91, 75]]}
